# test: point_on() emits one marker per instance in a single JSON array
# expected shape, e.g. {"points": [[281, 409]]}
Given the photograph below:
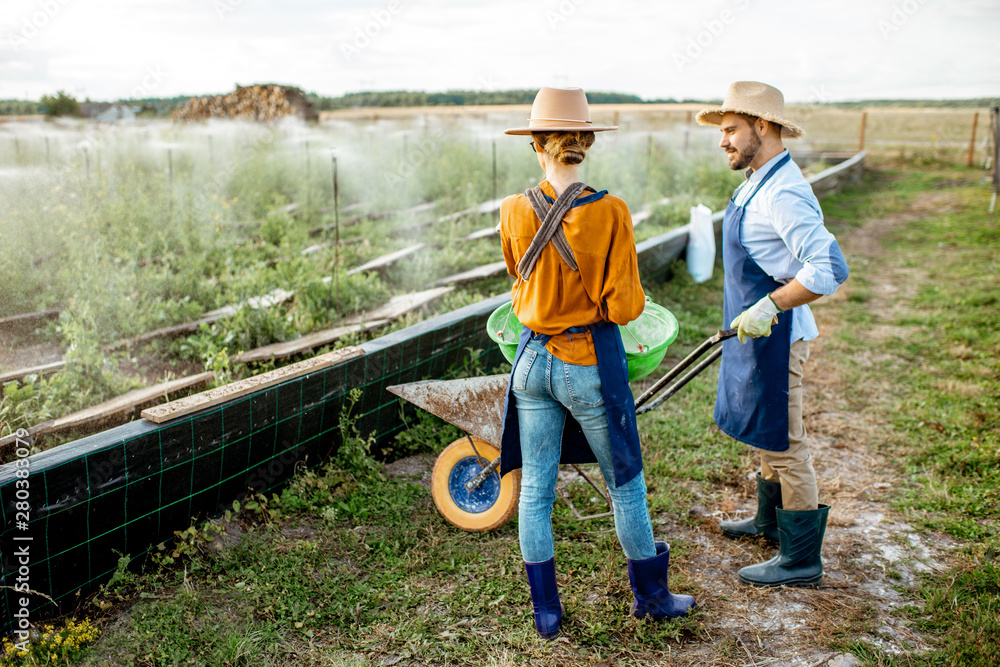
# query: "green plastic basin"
{"points": [[655, 330]]}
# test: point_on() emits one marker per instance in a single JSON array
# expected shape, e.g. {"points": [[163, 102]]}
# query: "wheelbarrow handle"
{"points": [[720, 336], [696, 354]]}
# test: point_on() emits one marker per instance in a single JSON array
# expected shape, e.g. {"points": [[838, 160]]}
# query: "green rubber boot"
{"points": [[764, 524], [798, 562]]}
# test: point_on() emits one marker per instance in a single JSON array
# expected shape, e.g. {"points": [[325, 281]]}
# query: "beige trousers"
{"points": [[793, 467]]}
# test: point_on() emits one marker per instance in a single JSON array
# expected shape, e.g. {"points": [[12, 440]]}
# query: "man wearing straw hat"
{"points": [[778, 256]]}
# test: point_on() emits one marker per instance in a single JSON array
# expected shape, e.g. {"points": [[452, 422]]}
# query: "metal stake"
{"points": [[336, 233]]}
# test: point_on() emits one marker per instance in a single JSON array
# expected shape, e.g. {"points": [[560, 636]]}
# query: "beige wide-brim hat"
{"points": [[559, 110], [753, 98]]}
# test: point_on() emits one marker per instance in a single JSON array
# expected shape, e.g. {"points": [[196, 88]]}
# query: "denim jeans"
{"points": [[545, 389]]}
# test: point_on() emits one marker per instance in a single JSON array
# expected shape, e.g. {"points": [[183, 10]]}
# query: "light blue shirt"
{"points": [[783, 231]]}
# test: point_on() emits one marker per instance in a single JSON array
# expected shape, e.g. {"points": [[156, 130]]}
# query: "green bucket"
{"points": [[655, 329]]}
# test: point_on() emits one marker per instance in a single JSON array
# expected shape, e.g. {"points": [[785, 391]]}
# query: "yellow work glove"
{"points": [[756, 320]]}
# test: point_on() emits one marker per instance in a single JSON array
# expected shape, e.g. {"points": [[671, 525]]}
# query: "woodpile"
{"points": [[261, 102]]}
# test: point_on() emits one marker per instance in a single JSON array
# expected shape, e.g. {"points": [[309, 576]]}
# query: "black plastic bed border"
{"points": [[71, 512]]}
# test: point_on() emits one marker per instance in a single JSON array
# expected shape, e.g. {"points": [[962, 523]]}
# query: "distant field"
{"points": [[946, 131]]}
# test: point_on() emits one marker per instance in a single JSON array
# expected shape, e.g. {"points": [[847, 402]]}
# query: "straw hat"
{"points": [[753, 99], [559, 110]]}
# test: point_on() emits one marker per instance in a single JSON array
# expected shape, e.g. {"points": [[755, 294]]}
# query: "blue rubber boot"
{"points": [[545, 597], [653, 598]]}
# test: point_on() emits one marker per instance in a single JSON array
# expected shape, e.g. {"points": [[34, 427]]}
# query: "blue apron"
{"points": [[752, 400], [612, 366]]}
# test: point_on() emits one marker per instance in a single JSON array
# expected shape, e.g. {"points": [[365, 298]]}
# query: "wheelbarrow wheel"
{"points": [[485, 508]]}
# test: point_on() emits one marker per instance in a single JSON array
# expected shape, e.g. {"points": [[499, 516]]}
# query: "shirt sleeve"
{"points": [[623, 298], [799, 222]]}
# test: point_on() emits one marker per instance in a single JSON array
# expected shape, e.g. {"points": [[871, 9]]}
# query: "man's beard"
{"points": [[745, 156]]}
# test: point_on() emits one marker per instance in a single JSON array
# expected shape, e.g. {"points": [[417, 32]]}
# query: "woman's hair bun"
{"points": [[565, 147]]}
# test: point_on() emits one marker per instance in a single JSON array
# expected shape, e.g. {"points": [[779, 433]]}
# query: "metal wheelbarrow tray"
{"points": [[465, 485]]}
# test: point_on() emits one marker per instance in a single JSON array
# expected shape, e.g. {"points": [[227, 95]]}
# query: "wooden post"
{"points": [[494, 170], [861, 135], [170, 179], [308, 189], [336, 234], [649, 161], [972, 139], [687, 131]]}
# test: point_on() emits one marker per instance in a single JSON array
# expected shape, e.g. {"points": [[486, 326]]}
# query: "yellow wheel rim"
{"points": [[485, 508]]}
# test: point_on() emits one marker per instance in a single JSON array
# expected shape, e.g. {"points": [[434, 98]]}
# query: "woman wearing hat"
{"points": [[572, 252]]}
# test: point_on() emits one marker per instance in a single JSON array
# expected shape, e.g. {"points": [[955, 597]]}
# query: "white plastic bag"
{"points": [[701, 244]]}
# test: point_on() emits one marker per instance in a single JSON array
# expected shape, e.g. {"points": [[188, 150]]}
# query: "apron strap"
{"points": [[551, 229]]}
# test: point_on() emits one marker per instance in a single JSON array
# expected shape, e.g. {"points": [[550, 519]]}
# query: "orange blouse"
{"points": [[556, 298]]}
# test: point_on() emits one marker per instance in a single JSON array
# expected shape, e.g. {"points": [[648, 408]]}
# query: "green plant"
{"points": [[60, 104], [354, 451], [50, 645], [424, 434]]}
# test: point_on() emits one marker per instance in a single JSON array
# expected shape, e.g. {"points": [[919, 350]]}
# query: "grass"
{"points": [[941, 357]]}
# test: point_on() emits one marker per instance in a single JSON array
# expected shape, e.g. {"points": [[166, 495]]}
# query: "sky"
{"points": [[820, 51]]}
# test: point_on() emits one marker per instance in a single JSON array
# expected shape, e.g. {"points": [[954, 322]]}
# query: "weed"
{"points": [[50, 645]]}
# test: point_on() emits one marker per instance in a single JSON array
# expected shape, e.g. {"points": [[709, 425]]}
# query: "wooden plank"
{"points": [[485, 271], [272, 298], [8, 444], [126, 402], [486, 207], [416, 227], [321, 246], [169, 332], [419, 208], [372, 319], [26, 318], [387, 260], [290, 209], [488, 232], [316, 231], [305, 343], [400, 305], [206, 399], [21, 373]]}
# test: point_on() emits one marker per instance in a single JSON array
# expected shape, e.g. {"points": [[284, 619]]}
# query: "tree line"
{"points": [[62, 104]]}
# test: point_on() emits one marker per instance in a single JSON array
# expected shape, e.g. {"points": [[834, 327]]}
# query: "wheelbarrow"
{"points": [[466, 487]]}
